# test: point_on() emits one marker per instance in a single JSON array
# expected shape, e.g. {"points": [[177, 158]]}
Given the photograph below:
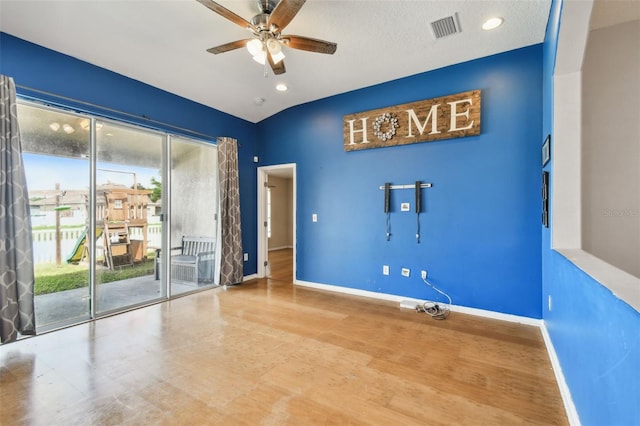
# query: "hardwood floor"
{"points": [[269, 353], [281, 262]]}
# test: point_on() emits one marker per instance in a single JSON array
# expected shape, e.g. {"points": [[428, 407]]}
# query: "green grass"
{"points": [[51, 278]]}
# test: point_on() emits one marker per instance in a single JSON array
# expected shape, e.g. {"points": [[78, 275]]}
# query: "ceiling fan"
{"points": [[268, 40]]}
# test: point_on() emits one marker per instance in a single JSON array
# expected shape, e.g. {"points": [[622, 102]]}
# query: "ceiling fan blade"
{"points": [[226, 13], [284, 13], [310, 44], [228, 46], [277, 68]]}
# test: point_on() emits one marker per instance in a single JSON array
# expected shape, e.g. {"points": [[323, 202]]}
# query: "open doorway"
{"points": [[277, 221]]}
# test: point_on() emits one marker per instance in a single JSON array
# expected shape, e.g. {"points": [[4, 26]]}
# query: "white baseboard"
{"points": [[570, 408], [249, 277], [497, 315], [407, 301], [352, 291]]}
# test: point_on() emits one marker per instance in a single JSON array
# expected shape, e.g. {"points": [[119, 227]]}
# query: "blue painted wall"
{"points": [[481, 220], [46, 70], [595, 335]]}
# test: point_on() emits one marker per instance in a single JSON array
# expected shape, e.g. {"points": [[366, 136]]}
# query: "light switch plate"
{"points": [[405, 207]]}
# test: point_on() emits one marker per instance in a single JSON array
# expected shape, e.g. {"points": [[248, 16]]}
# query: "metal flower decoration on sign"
{"points": [[392, 123]]}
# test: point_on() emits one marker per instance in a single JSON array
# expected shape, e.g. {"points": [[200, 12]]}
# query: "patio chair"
{"points": [[195, 263]]}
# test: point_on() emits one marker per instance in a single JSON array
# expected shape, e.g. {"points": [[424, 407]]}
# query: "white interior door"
{"points": [[287, 171]]}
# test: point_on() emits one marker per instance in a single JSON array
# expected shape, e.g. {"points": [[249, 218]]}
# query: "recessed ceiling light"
{"points": [[492, 23], [258, 101], [54, 126], [68, 129], [281, 87]]}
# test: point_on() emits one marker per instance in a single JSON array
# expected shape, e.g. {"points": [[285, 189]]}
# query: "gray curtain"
{"points": [[231, 235], [16, 250]]}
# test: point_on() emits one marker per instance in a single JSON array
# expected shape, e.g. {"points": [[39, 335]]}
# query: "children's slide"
{"points": [[76, 253]]}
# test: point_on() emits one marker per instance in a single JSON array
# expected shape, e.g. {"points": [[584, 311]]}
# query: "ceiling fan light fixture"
{"points": [[260, 57], [277, 57], [275, 48], [254, 47], [257, 51]]}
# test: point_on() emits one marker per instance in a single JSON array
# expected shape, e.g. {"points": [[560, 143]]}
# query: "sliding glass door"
{"points": [[194, 215], [99, 193], [56, 159], [127, 215]]}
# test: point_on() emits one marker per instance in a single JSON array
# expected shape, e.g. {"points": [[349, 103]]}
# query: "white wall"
{"points": [[611, 146], [281, 216], [566, 146]]}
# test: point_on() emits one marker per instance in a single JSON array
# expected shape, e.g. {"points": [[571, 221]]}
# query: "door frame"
{"points": [[263, 173]]}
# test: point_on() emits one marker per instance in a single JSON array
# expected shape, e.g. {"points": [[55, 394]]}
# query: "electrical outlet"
{"points": [[406, 272], [423, 274], [385, 269], [246, 257], [314, 217], [405, 207]]}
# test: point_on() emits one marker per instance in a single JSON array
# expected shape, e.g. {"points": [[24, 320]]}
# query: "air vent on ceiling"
{"points": [[446, 26]]}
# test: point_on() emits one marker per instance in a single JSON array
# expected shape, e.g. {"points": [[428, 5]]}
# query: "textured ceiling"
{"points": [[163, 43]]}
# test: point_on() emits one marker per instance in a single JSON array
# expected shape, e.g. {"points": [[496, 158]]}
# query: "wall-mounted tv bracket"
{"points": [[417, 187], [418, 192], [387, 207]]}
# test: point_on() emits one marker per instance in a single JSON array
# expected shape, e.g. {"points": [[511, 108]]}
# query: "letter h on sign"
{"points": [[352, 131]]}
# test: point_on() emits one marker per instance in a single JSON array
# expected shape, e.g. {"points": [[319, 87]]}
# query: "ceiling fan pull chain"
{"points": [[266, 64]]}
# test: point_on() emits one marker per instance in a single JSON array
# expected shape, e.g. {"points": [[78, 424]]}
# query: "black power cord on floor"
{"points": [[433, 309]]}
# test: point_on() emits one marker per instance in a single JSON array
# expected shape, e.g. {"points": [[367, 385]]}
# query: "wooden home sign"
{"points": [[448, 117]]}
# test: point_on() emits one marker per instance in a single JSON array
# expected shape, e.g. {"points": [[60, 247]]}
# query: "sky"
{"points": [[44, 171]]}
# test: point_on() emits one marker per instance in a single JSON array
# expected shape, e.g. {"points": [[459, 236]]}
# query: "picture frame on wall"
{"points": [[546, 151]]}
